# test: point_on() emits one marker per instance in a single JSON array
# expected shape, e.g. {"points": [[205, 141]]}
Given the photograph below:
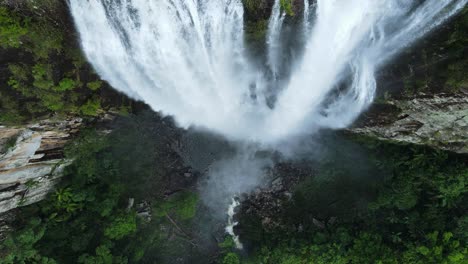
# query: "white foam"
{"points": [[187, 58]]}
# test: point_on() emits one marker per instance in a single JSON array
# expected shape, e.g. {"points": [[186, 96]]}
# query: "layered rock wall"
{"points": [[32, 161]]}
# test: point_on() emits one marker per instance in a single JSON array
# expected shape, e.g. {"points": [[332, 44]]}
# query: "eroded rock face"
{"points": [[439, 121], [31, 160]]}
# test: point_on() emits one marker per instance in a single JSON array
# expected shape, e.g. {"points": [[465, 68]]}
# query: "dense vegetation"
{"points": [[92, 217], [42, 69], [402, 205], [417, 215]]}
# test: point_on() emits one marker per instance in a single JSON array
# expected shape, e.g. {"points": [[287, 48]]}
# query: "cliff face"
{"points": [[439, 121], [31, 160]]}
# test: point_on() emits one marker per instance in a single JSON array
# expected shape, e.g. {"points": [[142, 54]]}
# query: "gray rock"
{"points": [[439, 121], [143, 210], [31, 168]]}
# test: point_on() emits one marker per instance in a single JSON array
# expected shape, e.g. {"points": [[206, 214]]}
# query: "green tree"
{"points": [[12, 29], [19, 247], [231, 258], [122, 226]]}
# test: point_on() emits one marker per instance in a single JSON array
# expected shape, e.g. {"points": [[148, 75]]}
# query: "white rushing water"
{"points": [[274, 38], [231, 223], [306, 17], [187, 58]]}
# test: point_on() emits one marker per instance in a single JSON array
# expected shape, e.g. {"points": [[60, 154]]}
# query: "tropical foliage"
{"points": [[418, 213], [89, 218], [43, 71]]}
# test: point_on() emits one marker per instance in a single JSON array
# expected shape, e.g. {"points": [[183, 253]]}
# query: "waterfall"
{"points": [[274, 38], [186, 58]]}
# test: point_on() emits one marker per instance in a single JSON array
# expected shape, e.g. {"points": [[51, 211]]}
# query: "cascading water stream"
{"points": [[232, 223], [306, 18], [273, 39]]}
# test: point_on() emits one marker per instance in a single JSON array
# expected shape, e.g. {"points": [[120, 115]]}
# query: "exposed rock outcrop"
{"points": [[31, 160], [439, 121], [267, 202]]}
